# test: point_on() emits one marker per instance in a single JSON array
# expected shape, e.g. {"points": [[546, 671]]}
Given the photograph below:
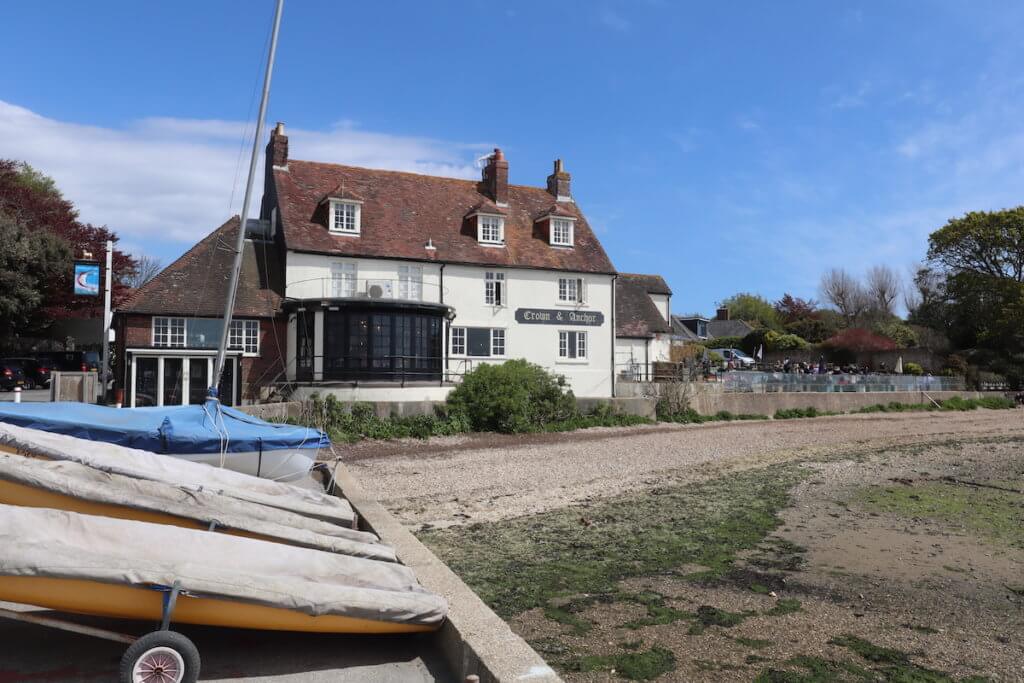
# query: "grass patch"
{"points": [[817, 670], [927, 630], [993, 514], [784, 606], [633, 666], [895, 665], [658, 613], [712, 616], [796, 413], [691, 416], [563, 616], [755, 643], [523, 563], [952, 403]]}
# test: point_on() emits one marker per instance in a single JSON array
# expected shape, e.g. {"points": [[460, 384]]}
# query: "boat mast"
{"points": [[229, 308]]}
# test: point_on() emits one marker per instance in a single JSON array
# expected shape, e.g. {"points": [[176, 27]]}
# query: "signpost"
{"points": [[87, 283]]}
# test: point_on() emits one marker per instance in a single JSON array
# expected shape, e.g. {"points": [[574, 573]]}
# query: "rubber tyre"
{"points": [[165, 639]]}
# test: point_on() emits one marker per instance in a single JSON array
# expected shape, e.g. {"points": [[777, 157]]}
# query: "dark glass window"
{"points": [[386, 345], [145, 382], [173, 381], [304, 325]]}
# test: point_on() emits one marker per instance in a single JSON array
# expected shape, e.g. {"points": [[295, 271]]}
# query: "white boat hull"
{"points": [[284, 465]]}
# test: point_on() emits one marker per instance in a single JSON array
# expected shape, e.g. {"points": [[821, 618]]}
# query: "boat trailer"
{"points": [[161, 656]]}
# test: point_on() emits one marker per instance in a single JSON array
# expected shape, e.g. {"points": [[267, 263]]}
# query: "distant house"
{"points": [[704, 331], [643, 331], [168, 331]]}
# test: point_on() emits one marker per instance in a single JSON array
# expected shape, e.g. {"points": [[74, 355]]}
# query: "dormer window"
{"points": [[345, 217], [561, 232], [490, 229]]}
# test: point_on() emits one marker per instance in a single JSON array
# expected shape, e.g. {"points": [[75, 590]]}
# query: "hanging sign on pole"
{"points": [[87, 278]]}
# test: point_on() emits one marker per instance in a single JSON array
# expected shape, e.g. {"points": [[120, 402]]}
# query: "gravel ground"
{"points": [[451, 481]]}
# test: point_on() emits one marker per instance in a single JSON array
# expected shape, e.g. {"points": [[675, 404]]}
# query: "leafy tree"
{"points": [[897, 330], [33, 200], [857, 339], [791, 309], [754, 309], [28, 261], [975, 281]]}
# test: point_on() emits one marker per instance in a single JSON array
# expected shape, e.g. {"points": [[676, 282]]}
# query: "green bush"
{"points": [[899, 331], [795, 413], [912, 369], [691, 416], [513, 397]]}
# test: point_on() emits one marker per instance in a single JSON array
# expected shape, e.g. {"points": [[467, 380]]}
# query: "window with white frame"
{"points": [[345, 217], [561, 232], [410, 283], [494, 289], [169, 332], [490, 229], [343, 279], [244, 336], [572, 345], [479, 342], [570, 290], [458, 341]]}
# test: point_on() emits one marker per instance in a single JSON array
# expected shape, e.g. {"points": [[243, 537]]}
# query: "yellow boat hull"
{"points": [[131, 602], [13, 493]]}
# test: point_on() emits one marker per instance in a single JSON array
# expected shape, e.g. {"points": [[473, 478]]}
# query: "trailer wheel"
{"points": [[160, 657]]}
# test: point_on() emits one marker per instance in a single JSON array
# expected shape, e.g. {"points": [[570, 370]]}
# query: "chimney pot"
{"points": [[277, 148], [495, 177], [560, 182]]}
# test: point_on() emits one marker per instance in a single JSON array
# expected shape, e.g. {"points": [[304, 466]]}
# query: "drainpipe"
{"points": [[447, 328], [614, 278]]}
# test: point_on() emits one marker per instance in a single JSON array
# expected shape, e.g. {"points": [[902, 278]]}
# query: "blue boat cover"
{"points": [[173, 430]]}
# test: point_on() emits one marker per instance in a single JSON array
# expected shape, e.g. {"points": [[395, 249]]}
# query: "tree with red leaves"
{"points": [[858, 339], [33, 200], [791, 308]]}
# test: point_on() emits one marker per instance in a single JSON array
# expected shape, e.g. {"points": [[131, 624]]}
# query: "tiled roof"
{"points": [[635, 314], [401, 211], [728, 328], [652, 284], [197, 283]]}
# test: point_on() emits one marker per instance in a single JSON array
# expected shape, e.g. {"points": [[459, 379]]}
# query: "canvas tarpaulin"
{"points": [[202, 507], [40, 542], [131, 462]]}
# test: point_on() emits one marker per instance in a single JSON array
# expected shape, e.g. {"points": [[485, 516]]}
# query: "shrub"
{"points": [[794, 413], [912, 369], [858, 339], [901, 333], [515, 396]]}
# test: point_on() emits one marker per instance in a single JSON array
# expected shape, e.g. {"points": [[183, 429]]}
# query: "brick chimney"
{"points": [[559, 181], [722, 314], [496, 177], [277, 148]]}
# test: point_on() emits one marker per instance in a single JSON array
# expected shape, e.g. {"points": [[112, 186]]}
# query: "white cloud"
{"points": [[613, 20], [162, 183], [850, 100]]}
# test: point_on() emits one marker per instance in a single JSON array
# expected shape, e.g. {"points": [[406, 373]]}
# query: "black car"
{"points": [[70, 361], [37, 373], [11, 376]]}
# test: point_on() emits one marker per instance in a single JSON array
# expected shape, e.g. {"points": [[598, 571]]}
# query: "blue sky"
{"points": [[728, 146]]}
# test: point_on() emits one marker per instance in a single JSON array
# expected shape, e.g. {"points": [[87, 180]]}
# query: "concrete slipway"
{"points": [[473, 642]]}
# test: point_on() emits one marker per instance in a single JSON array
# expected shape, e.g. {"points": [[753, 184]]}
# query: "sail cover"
{"points": [[171, 430]]}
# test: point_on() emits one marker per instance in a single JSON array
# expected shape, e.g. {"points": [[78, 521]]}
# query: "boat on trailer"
{"points": [[211, 433]]}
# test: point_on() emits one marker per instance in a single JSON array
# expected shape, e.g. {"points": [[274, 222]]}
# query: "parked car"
{"points": [[70, 361], [37, 373], [738, 358], [11, 376]]}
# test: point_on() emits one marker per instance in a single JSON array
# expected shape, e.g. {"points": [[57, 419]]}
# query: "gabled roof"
{"points": [[728, 328], [196, 284], [652, 284], [636, 316], [401, 211]]}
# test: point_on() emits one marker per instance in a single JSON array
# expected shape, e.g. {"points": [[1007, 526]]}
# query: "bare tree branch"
{"points": [[147, 268]]}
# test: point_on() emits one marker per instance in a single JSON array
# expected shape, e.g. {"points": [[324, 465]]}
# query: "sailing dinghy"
{"points": [[212, 433]]}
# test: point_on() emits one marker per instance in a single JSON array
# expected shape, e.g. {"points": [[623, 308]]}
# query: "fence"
{"points": [[766, 382]]}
